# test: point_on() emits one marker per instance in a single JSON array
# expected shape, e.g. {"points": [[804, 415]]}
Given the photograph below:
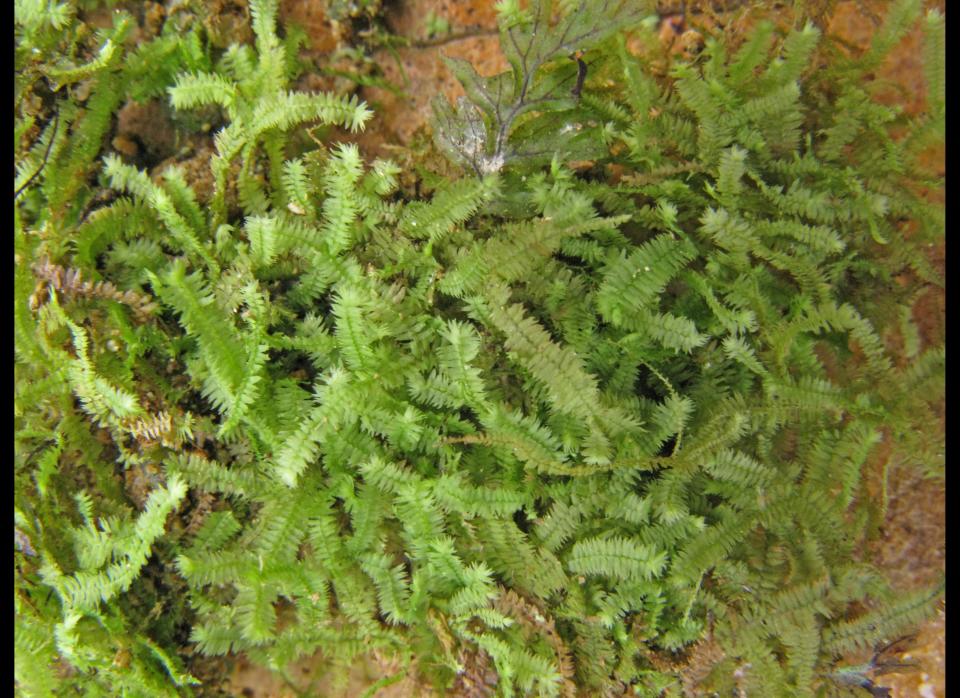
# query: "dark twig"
{"points": [[46, 155]]}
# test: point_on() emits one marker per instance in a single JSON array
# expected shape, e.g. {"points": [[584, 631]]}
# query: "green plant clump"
{"points": [[597, 418]]}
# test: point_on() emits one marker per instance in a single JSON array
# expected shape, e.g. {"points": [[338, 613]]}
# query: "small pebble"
{"points": [[125, 146]]}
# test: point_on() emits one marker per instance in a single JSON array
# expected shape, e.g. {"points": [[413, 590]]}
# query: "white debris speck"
{"points": [[491, 163]]}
